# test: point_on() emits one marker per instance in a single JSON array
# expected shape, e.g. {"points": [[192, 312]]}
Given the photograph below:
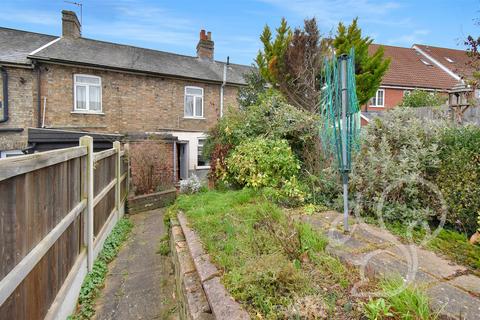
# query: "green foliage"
{"points": [[272, 118], [269, 261], [377, 309], [261, 163], [250, 94], [164, 245], [459, 176], [398, 153], [270, 61], [94, 280], [421, 98], [369, 69], [409, 303]]}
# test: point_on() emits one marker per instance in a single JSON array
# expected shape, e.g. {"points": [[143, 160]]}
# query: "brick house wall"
{"points": [[130, 102], [392, 97], [22, 101]]}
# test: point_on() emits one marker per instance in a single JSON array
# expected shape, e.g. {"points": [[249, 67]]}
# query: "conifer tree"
{"points": [[369, 68]]}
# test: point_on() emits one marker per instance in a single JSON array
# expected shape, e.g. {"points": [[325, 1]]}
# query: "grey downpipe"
{"points": [[39, 100], [5, 95], [224, 82]]}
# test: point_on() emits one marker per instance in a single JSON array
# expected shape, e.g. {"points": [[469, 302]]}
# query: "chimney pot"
{"points": [[71, 27], [205, 46]]}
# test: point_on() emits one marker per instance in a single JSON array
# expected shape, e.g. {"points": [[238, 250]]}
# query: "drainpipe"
{"points": [[5, 95], [39, 98], [223, 85]]}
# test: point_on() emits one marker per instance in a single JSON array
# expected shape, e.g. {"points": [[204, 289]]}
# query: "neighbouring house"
{"points": [[419, 67], [70, 83]]}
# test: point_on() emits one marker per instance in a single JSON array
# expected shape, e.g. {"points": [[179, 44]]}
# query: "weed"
{"points": [[164, 246], [377, 309], [94, 280]]}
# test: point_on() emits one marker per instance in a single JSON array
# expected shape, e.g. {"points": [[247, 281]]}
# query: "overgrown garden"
{"points": [[412, 175]]}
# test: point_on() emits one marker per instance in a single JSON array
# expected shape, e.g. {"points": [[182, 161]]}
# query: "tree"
{"points": [[421, 98], [291, 62], [369, 69], [250, 94]]}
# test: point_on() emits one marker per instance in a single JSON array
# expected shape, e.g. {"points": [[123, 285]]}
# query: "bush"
{"points": [[149, 169], [271, 118], [262, 163], [190, 185], [459, 176], [398, 153], [420, 98]]}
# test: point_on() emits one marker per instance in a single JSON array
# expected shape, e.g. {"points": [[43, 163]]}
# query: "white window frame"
{"points": [[87, 94], [198, 143], [376, 105], [194, 103]]}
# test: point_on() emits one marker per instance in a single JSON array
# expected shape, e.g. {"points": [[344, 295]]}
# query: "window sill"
{"points": [[198, 118], [88, 112], [203, 167], [376, 106]]}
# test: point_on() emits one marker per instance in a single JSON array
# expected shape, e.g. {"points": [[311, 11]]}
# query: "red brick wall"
{"points": [[130, 103], [22, 98], [392, 98]]}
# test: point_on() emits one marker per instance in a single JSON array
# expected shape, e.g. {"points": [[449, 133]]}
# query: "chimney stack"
{"points": [[205, 46], [71, 27]]}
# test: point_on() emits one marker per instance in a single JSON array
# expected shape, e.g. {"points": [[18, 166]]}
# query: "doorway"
{"points": [[182, 160]]}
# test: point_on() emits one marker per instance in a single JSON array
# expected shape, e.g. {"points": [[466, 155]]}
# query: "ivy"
{"points": [[94, 280]]}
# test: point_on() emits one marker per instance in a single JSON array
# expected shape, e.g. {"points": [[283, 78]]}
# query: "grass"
{"points": [[94, 280], [164, 245], [275, 267], [409, 303], [449, 243]]}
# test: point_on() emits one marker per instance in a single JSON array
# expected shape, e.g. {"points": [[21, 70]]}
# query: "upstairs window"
{"points": [[201, 160], [87, 93], [193, 102], [378, 99]]}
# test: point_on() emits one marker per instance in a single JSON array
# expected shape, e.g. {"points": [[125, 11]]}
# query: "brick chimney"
{"points": [[71, 27], [205, 46]]}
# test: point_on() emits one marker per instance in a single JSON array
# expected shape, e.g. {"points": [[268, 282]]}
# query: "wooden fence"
{"points": [[56, 209]]}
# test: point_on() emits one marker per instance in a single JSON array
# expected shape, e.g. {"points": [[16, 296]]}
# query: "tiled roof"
{"points": [[16, 45], [408, 68], [455, 60]]}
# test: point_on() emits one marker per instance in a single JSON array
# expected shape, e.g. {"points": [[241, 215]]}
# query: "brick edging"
{"points": [[222, 304]]}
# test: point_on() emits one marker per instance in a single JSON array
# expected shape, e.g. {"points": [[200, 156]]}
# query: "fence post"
{"points": [[126, 147], [116, 146], [87, 141]]}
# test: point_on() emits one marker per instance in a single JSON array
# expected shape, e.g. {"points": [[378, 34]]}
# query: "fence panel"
{"points": [[45, 206], [31, 206]]}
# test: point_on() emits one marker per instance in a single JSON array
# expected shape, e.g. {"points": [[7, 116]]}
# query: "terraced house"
{"points": [[54, 87]]}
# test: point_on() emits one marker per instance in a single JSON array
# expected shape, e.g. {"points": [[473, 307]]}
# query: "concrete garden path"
{"points": [[377, 252], [141, 282]]}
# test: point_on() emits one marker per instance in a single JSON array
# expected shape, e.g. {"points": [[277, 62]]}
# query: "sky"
{"points": [[174, 25]]}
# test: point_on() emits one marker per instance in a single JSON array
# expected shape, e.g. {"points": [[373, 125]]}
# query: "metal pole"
{"points": [[343, 68]]}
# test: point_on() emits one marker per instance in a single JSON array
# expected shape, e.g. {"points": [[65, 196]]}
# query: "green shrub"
{"points": [[271, 117], [421, 98], [262, 163], [398, 152], [459, 176]]}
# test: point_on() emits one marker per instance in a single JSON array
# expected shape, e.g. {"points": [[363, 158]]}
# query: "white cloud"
{"points": [[417, 36], [330, 12], [37, 17]]}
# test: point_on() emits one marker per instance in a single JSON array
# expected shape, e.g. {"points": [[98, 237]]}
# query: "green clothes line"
{"points": [[340, 127]]}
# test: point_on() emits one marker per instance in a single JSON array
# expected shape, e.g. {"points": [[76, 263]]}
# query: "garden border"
{"points": [[151, 201], [192, 264]]}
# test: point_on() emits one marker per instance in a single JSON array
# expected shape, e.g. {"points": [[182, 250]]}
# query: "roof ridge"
{"points": [[32, 32], [437, 47]]}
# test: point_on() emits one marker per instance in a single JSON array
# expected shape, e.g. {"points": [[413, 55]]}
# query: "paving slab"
{"points": [[141, 282], [454, 302], [379, 253]]}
